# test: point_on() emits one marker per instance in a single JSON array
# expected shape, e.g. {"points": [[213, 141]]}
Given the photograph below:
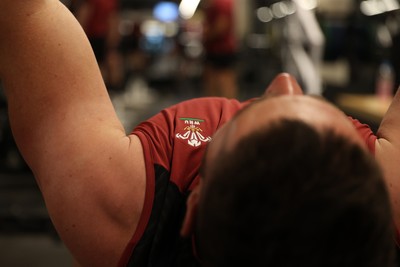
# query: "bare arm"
{"points": [[90, 173], [388, 153]]}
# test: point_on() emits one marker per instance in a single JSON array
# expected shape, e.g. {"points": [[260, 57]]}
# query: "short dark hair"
{"points": [[290, 195]]}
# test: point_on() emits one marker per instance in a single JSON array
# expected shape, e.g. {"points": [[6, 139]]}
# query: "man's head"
{"points": [[288, 182]]}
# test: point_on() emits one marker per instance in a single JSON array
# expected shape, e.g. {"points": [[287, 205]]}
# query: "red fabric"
{"points": [[370, 138], [100, 11], [366, 134], [176, 138], [224, 43], [147, 206]]}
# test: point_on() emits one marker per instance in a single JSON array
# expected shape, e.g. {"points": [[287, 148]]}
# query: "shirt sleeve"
{"points": [[366, 134], [174, 142], [370, 138]]}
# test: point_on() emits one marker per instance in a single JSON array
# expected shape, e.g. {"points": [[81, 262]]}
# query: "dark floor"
{"points": [[22, 250], [27, 237]]}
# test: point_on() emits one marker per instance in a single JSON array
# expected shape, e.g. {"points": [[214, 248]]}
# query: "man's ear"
{"points": [[191, 210]]}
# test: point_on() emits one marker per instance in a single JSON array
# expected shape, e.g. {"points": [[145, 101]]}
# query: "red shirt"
{"points": [[366, 134], [224, 43], [174, 142]]}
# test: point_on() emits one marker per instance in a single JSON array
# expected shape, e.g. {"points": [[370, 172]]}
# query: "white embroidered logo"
{"points": [[193, 132]]}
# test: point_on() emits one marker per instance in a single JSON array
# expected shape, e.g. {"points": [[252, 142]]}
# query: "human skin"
{"points": [[283, 99], [90, 172]]}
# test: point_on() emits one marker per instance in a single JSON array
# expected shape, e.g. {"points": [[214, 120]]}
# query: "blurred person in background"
{"points": [[220, 46], [285, 180], [100, 20]]}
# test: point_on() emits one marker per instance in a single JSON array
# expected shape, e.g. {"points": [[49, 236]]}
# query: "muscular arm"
{"points": [[387, 151], [90, 173]]}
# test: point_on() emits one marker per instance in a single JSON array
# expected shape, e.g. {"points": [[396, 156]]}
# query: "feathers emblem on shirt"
{"points": [[192, 132]]}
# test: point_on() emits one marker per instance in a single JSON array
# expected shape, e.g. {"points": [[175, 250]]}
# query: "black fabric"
{"points": [[398, 255], [161, 244]]}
